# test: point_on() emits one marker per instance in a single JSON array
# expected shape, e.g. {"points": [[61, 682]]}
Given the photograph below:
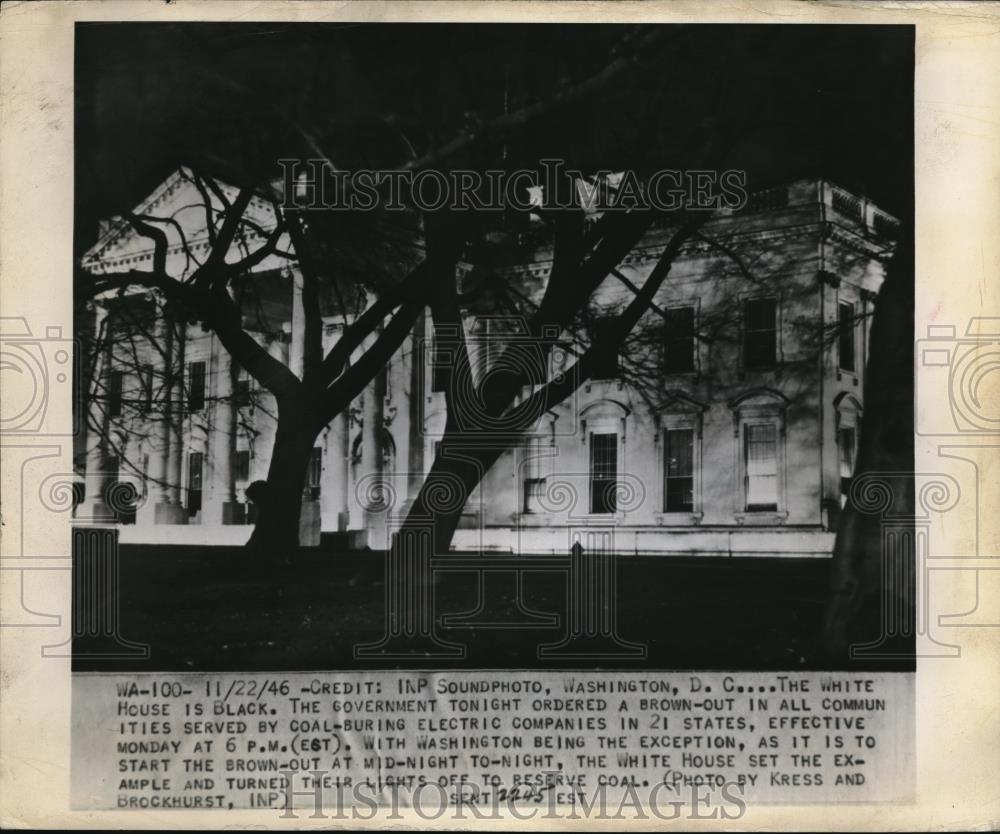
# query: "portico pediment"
{"points": [[760, 398], [677, 402], [183, 211]]}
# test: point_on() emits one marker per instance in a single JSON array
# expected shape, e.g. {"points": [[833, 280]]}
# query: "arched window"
{"points": [[603, 428], [759, 432], [537, 453], [848, 424], [679, 439], [388, 450]]}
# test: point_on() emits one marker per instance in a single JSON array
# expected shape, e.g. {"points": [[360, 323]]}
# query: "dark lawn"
{"points": [[213, 609]]}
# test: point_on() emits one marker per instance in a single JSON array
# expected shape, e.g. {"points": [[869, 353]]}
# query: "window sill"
{"points": [[601, 518], [617, 382], [777, 369], [851, 375], [761, 518], [681, 519], [533, 519]]}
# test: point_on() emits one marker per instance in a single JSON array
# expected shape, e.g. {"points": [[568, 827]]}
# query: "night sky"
{"points": [[790, 101]]}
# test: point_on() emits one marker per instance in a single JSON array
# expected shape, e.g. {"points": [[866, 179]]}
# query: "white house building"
{"points": [[728, 427]]}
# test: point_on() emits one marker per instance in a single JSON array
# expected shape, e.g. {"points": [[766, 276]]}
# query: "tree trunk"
{"points": [[446, 490], [276, 533], [429, 527], [866, 587]]}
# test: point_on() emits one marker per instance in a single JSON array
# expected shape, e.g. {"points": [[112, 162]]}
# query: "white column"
{"points": [[94, 508], [296, 350], [418, 394], [175, 461], [337, 454], [222, 441], [225, 427], [371, 457], [168, 509], [264, 422], [160, 435], [401, 392]]}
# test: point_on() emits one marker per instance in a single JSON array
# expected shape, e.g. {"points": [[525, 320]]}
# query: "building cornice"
{"points": [[120, 228]]}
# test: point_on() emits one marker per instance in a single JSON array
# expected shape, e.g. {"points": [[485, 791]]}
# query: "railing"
{"points": [[847, 205], [769, 199], [844, 203], [884, 225], [590, 576]]}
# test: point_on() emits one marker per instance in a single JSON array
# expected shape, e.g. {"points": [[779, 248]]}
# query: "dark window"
{"points": [[846, 442], [314, 474], [388, 451], [242, 393], [603, 472], [115, 393], [534, 477], [605, 361], [195, 460], [559, 359], [243, 465], [147, 388], [505, 349], [760, 335], [196, 386], [679, 470], [761, 461], [439, 369], [112, 473], [846, 336], [489, 344], [534, 490], [678, 345]]}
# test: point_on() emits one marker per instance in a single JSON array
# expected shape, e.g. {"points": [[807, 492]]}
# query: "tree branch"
{"points": [[628, 53], [555, 391], [198, 183], [631, 287], [730, 253], [445, 238], [214, 267], [340, 395], [222, 315], [159, 238], [409, 289]]}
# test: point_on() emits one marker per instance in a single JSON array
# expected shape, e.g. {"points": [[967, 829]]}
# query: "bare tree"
{"points": [[306, 399], [487, 413], [211, 289], [492, 404], [486, 416]]}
